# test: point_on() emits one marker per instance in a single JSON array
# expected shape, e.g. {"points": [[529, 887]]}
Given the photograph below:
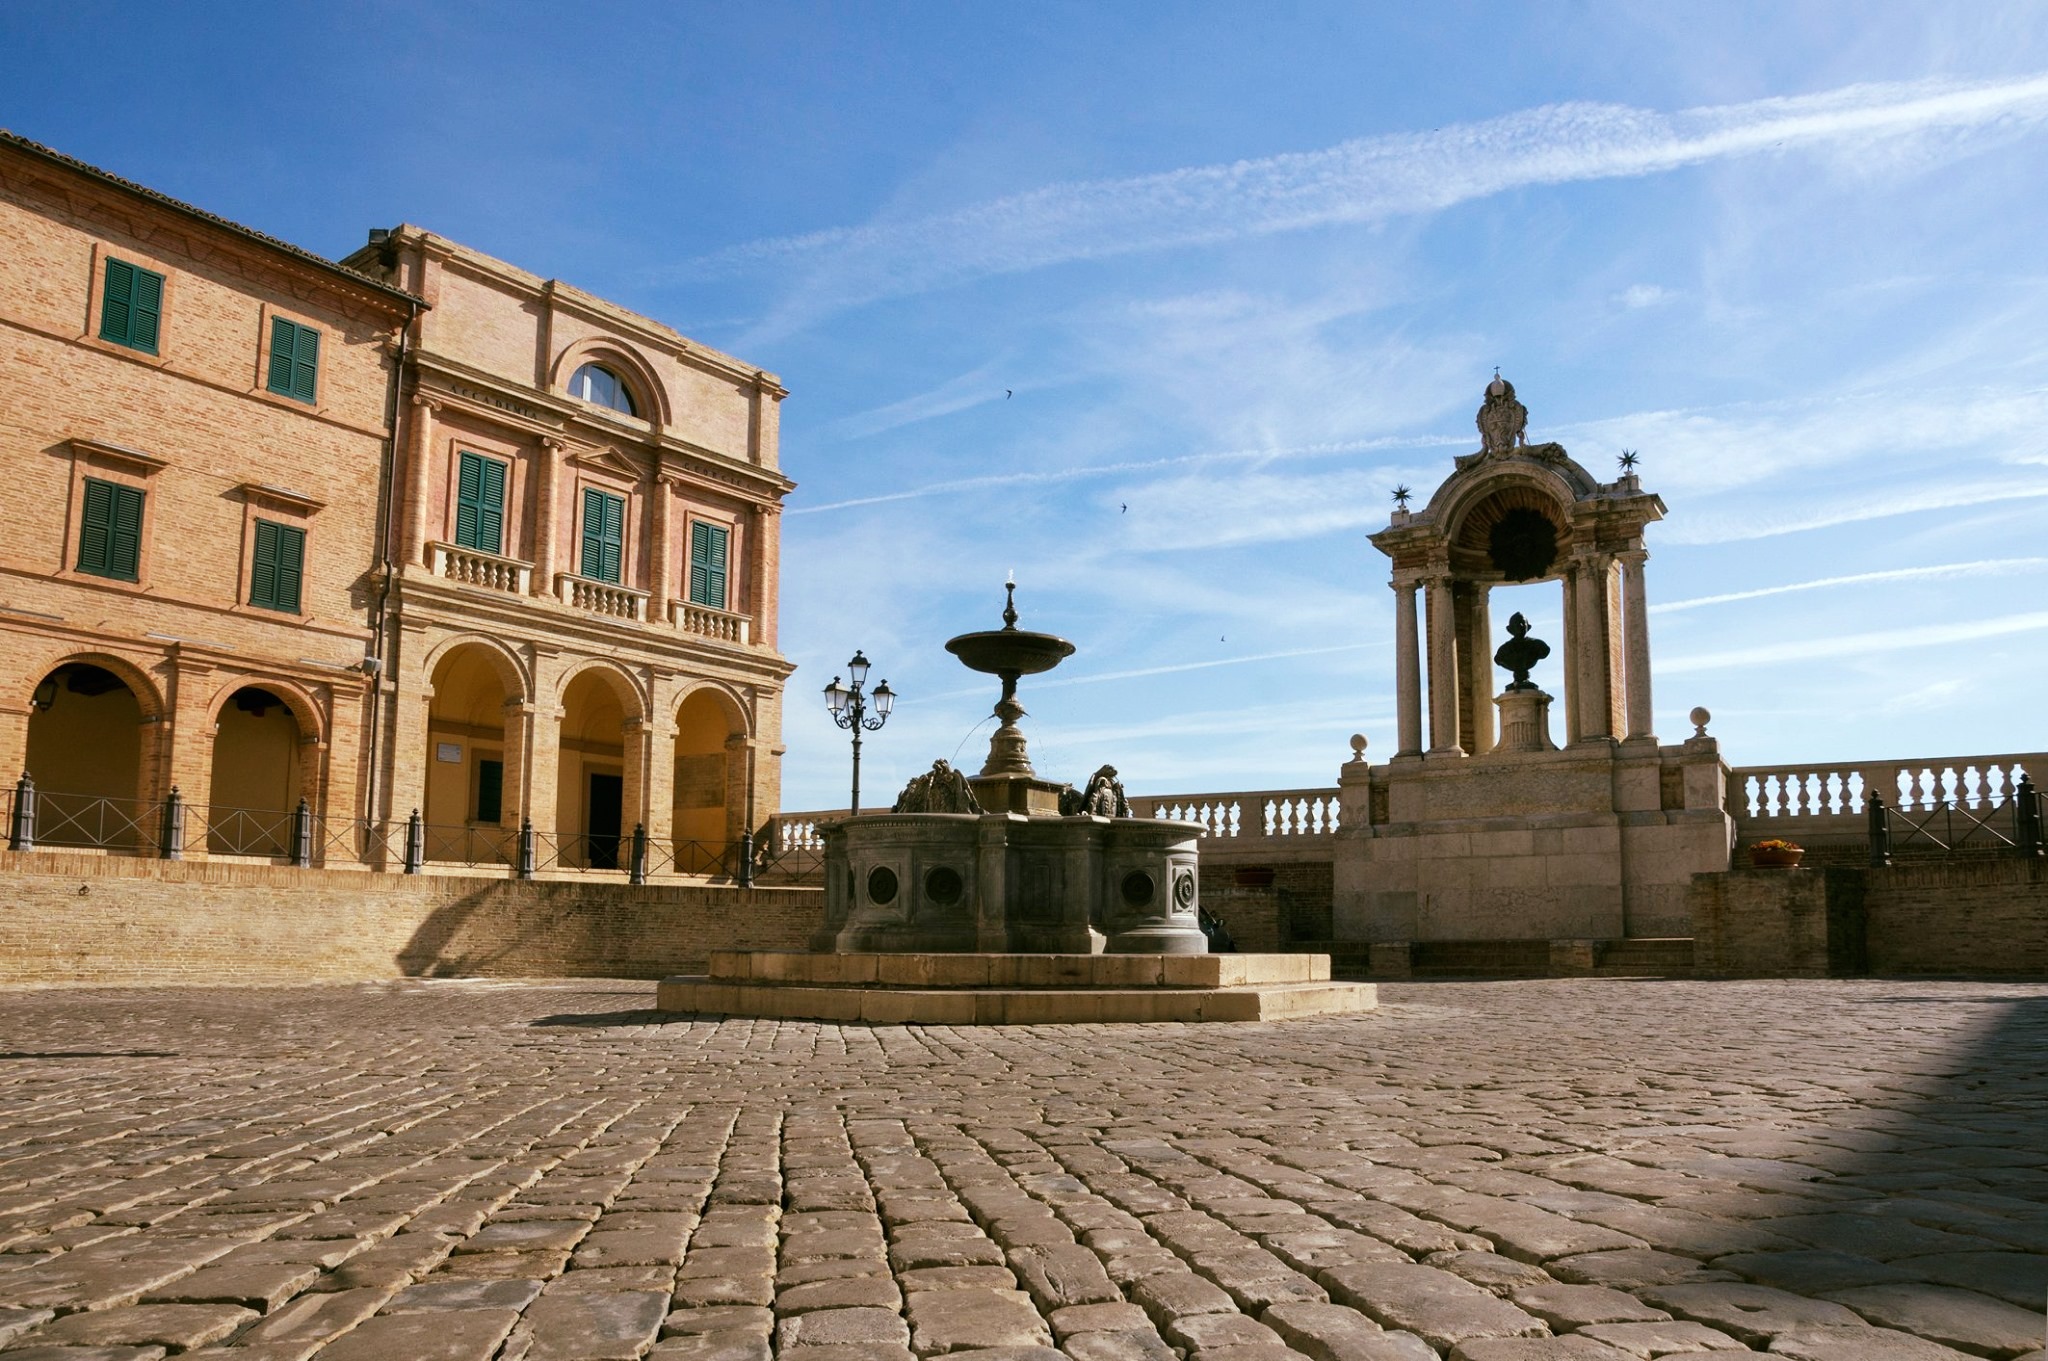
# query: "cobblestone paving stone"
{"points": [[469, 1171]]}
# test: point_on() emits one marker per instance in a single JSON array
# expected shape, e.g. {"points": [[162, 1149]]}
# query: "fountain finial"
{"points": [[1010, 604]]}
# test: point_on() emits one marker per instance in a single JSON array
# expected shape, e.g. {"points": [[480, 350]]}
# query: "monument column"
{"points": [[1407, 670], [1593, 697], [1443, 669], [1636, 630], [1478, 661]]}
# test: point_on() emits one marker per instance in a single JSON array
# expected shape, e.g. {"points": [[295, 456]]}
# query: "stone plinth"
{"points": [[1014, 989], [1524, 721]]}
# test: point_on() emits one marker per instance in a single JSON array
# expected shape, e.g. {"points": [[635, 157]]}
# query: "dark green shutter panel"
{"points": [[305, 363], [117, 307], [490, 525], [97, 527], [263, 574], [148, 310], [124, 542], [282, 343], [469, 476], [707, 564]]}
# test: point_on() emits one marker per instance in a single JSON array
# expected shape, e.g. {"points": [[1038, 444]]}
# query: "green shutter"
{"points": [[148, 310], [132, 308], [294, 359], [279, 568], [707, 564], [604, 523], [480, 503], [110, 530]]}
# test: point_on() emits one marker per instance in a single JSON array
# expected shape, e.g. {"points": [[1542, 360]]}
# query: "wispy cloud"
{"points": [[1858, 644], [1365, 180], [1100, 470], [1753, 524], [1937, 572], [970, 389], [1637, 296]]}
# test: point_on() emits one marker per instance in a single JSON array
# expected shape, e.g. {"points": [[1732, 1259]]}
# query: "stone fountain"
{"points": [[1002, 898], [1006, 861]]}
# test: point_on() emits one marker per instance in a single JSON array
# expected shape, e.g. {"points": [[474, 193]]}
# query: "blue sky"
{"points": [[1243, 270]]}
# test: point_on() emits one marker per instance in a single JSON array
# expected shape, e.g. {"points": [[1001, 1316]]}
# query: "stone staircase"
{"points": [[1646, 957]]}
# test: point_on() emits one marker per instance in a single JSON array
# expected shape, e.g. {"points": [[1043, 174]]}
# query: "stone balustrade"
{"points": [[1816, 799], [472, 568], [720, 626], [598, 597], [1257, 815]]}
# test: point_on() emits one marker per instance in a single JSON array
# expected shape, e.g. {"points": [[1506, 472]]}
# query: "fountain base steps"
{"points": [[1014, 989]]}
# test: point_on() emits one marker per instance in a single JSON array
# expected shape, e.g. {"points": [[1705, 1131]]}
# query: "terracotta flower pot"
{"points": [[1774, 859]]}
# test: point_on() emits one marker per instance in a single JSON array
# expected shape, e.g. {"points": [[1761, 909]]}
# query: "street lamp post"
{"points": [[849, 710]]}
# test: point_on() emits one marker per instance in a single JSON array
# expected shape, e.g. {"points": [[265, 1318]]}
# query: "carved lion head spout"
{"points": [[941, 789]]}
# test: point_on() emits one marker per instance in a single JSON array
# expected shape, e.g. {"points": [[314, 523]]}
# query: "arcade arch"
{"points": [[466, 786], [86, 754], [599, 771], [259, 774], [710, 778]]}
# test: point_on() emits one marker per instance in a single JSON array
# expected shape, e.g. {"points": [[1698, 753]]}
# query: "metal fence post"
{"points": [[1880, 832], [415, 842], [639, 870], [2028, 815], [302, 836], [525, 867], [21, 828], [746, 874], [172, 845]]}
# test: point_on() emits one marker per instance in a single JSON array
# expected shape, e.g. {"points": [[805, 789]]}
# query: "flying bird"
{"points": [[1008, 393], [1123, 507]]}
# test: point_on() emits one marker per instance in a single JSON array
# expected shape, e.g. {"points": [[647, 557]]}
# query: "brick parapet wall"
{"points": [[68, 917], [1959, 917]]}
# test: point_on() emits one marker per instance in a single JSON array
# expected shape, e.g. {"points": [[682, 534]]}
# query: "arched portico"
{"points": [[472, 740], [709, 806], [93, 753], [601, 766], [267, 756]]}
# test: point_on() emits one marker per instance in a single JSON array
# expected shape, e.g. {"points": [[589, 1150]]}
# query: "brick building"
{"points": [[583, 610], [414, 530]]}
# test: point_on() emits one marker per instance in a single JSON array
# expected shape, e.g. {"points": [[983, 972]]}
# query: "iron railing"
{"points": [[38, 819]]}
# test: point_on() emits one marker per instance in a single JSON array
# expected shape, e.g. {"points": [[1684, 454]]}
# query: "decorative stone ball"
{"points": [[1358, 746], [1700, 718]]}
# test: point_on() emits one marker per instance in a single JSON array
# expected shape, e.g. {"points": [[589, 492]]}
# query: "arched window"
{"points": [[595, 383]]}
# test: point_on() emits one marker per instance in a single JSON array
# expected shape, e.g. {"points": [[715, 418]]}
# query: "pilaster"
{"points": [[547, 476], [661, 566], [419, 476], [1592, 696]]}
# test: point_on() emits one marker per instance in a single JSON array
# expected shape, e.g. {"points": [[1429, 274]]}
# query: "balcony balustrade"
{"points": [[472, 568]]}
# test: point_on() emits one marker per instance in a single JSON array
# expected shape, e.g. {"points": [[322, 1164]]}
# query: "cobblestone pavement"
{"points": [[448, 1171]]}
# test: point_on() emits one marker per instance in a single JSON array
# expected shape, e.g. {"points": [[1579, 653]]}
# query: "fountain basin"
{"points": [[939, 883], [1010, 652]]}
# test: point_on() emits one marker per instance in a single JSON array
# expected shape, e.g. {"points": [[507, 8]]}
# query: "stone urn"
{"points": [[1778, 855]]}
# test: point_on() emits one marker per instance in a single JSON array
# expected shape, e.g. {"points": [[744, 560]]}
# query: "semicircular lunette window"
{"points": [[597, 384]]}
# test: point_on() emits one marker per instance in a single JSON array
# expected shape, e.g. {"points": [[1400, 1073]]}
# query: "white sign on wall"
{"points": [[450, 752]]}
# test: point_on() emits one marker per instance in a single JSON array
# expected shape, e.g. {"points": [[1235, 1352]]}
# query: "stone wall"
{"points": [[1959, 917], [1974, 917], [73, 917]]}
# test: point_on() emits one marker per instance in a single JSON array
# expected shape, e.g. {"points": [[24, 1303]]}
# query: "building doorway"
{"points": [[603, 815], [85, 756]]}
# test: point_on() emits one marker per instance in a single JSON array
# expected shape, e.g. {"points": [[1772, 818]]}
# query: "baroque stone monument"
{"points": [[1483, 826]]}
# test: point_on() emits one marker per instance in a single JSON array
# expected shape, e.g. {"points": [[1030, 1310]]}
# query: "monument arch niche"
{"points": [[1505, 814]]}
